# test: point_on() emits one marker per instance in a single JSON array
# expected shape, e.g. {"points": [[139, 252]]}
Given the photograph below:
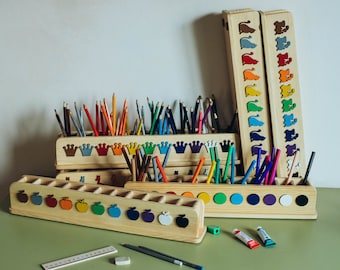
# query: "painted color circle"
{"points": [[204, 196], [188, 194], [171, 192], [286, 200], [220, 198], [301, 200], [236, 198], [253, 199], [269, 199]]}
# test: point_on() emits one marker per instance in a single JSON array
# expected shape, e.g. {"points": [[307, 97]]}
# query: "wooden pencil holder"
{"points": [[106, 207], [91, 152], [243, 201]]}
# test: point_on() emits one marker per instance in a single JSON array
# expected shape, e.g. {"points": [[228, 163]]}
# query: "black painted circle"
{"points": [[253, 199], [301, 200]]}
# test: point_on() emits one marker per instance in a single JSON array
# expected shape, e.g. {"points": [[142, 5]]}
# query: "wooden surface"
{"points": [[301, 244]]}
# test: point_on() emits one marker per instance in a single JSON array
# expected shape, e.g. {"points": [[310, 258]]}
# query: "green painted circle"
{"points": [[220, 198]]}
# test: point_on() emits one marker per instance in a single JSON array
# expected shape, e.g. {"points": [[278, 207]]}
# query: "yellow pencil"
{"points": [[139, 129], [211, 172]]}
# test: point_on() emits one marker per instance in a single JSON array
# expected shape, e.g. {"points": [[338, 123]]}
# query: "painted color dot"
{"points": [[236, 198], [220, 198], [188, 194], [171, 192], [204, 196], [269, 199], [286, 200], [301, 200], [253, 199]]}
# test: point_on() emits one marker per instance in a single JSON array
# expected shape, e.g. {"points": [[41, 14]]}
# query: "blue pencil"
{"points": [[251, 167]]}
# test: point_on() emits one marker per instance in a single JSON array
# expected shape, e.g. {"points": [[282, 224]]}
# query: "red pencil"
{"points": [[95, 131]]}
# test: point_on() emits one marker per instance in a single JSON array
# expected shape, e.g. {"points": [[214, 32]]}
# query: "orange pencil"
{"points": [[198, 169], [95, 131], [107, 118], [161, 170]]}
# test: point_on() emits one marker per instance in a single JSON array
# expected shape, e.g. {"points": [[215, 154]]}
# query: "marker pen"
{"points": [[266, 239], [251, 243]]}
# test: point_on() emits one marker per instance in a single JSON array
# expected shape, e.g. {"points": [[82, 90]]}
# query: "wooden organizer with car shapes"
{"points": [[107, 207], [243, 201]]}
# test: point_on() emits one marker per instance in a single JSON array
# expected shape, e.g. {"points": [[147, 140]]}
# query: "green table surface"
{"points": [[301, 244]]}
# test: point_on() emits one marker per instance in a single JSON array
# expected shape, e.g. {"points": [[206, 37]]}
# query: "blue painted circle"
{"points": [[236, 198], [253, 199]]}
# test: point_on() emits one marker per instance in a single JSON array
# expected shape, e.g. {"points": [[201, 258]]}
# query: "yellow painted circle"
{"points": [[204, 196]]}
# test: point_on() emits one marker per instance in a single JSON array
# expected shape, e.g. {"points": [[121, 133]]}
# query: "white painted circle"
{"points": [[286, 200]]}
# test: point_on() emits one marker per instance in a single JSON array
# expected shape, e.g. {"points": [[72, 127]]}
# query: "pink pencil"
{"points": [[276, 161]]}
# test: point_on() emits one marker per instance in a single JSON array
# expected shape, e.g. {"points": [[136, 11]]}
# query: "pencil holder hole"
{"points": [[111, 192], [78, 187], [140, 196], [36, 181], [125, 194], [66, 186], [160, 199], [98, 190], [189, 204], [172, 201], [46, 182]]}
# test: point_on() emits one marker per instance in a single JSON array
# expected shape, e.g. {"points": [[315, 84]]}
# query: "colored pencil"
{"points": [[247, 174], [154, 254], [114, 113], [60, 123], [161, 170], [217, 171], [292, 168], [107, 118], [232, 167], [226, 168], [198, 169], [95, 131], [192, 265], [309, 166], [273, 171], [211, 171]]}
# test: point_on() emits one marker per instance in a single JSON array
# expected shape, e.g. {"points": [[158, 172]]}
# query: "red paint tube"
{"points": [[251, 243]]}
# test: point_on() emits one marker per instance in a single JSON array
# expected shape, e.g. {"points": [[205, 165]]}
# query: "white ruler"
{"points": [[79, 258]]}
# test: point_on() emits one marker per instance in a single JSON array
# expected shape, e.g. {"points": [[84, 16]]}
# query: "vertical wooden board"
{"points": [[243, 40], [283, 89]]}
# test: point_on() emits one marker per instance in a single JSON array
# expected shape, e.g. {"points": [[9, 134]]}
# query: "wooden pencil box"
{"points": [[82, 153], [244, 201], [106, 207]]}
